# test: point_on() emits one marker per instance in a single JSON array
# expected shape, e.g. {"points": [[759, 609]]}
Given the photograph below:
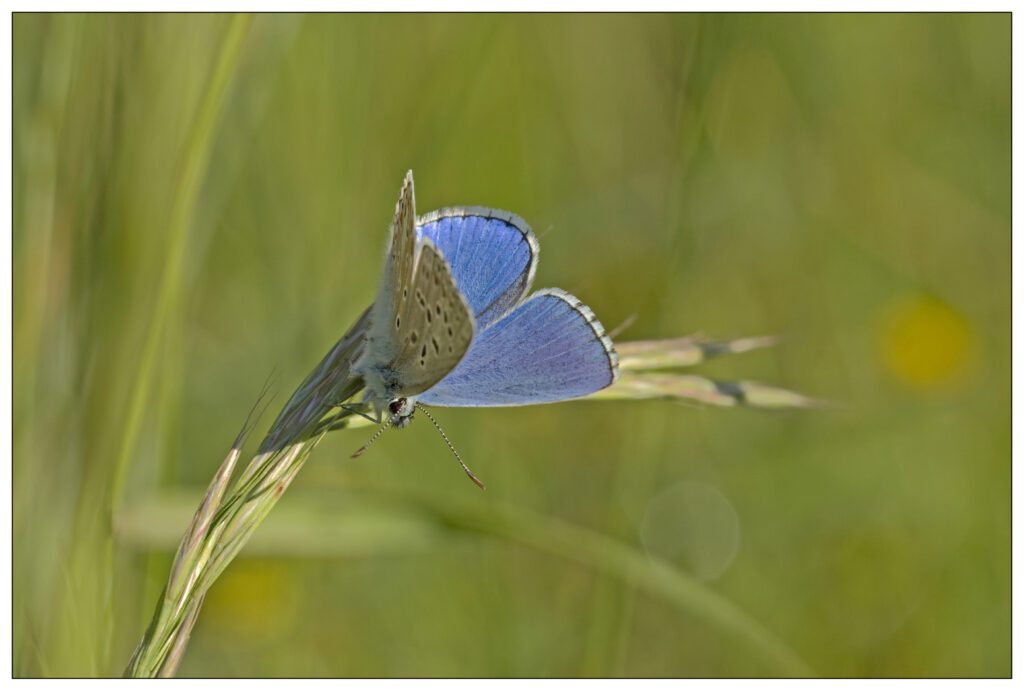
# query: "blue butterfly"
{"points": [[452, 326]]}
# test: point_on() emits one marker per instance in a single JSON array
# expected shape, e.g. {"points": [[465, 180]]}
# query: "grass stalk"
{"points": [[227, 518]]}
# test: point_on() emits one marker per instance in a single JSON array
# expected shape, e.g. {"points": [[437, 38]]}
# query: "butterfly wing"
{"points": [[433, 330], [549, 348], [420, 325], [399, 263], [492, 255]]}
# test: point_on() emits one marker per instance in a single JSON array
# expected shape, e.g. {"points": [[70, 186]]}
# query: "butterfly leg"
{"points": [[360, 410], [339, 420]]}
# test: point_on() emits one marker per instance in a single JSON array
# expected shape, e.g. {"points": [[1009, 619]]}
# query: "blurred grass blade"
{"points": [[623, 561], [192, 171], [372, 524]]}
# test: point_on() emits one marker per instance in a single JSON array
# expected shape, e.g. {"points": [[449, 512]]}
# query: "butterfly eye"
{"points": [[395, 407]]}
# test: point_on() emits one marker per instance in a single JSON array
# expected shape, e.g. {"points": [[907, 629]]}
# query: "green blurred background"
{"points": [[202, 200]]}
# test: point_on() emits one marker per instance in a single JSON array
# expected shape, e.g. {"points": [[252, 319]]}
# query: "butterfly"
{"points": [[452, 324]]}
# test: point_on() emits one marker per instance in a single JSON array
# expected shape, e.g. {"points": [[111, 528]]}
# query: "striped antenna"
{"points": [[444, 436], [364, 447]]}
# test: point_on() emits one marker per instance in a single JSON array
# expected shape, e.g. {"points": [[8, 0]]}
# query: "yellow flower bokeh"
{"points": [[925, 344], [254, 598]]}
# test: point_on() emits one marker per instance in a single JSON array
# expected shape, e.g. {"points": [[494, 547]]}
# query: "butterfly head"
{"points": [[401, 411]]}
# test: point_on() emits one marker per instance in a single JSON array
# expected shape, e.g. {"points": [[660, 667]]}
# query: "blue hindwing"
{"points": [[549, 348], [492, 255]]}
